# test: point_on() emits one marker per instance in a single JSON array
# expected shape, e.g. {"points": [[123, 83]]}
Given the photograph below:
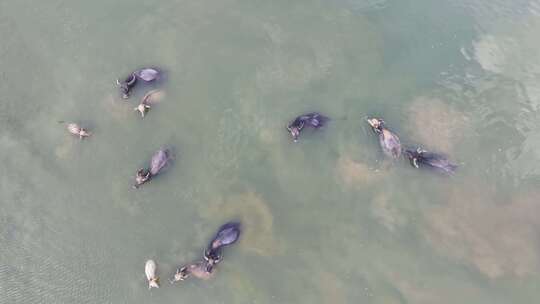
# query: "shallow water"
{"points": [[326, 220]]}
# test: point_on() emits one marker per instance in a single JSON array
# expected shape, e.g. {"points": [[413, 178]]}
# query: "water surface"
{"points": [[327, 220]]}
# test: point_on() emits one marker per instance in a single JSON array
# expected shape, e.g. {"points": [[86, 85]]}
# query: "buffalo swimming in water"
{"points": [[159, 161], [126, 85], [146, 74], [420, 157], [150, 270], [144, 106], [314, 120], [227, 234], [389, 141], [77, 130], [143, 175], [201, 270]]}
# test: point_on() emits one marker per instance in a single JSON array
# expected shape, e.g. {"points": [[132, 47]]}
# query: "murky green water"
{"points": [[326, 220]]}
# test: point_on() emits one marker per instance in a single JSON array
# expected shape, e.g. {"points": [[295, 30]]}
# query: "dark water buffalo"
{"points": [[146, 74], [126, 85], [314, 120], [159, 161], [227, 234], [143, 175], [420, 157], [389, 141]]}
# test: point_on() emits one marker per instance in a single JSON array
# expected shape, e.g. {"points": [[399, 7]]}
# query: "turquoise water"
{"points": [[327, 219]]}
